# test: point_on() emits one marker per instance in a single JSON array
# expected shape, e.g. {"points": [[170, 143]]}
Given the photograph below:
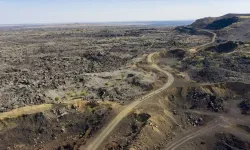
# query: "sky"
{"points": [[80, 11]]}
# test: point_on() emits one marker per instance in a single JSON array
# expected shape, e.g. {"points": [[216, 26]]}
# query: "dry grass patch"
{"points": [[25, 111], [244, 17]]}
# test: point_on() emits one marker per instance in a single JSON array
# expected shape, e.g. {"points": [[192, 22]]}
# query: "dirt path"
{"points": [[217, 124], [195, 49], [221, 122], [109, 128], [212, 41], [190, 135]]}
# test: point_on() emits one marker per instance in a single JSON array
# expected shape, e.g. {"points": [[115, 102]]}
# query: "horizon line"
{"points": [[96, 22]]}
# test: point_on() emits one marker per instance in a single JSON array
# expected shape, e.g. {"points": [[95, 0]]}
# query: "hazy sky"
{"points": [[70, 11]]}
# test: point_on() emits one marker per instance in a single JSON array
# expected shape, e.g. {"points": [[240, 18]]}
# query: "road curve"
{"points": [[195, 49], [109, 128], [222, 121], [177, 143], [212, 41]]}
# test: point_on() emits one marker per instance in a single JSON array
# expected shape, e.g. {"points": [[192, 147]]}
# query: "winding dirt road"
{"points": [[222, 120], [195, 49], [212, 41], [95, 143], [109, 128]]}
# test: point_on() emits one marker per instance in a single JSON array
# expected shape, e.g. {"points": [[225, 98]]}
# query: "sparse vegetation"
{"points": [[246, 45], [246, 56], [57, 98], [122, 75], [83, 93], [199, 58], [91, 106], [76, 95], [70, 94], [198, 65], [91, 61]]}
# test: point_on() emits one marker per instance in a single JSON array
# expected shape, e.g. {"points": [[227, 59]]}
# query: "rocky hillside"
{"points": [[230, 27], [216, 23], [202, 23]]}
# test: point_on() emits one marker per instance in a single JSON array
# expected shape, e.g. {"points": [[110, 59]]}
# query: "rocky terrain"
{"points": [[208, 105], [54, 66], [230, 27], [225, 60], [40, 64], [74, 80], [62, 127], [208, 117]]}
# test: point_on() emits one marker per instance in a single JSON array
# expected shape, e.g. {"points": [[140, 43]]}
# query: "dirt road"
{"points": [[190, 135], [222, 121], [109, 128], [195, 49], [212, 41]]}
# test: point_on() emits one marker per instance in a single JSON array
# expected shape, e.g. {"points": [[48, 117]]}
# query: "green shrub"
{"points": [[91, 106], [209, 54], [83, 93], [246, 57], [70, 94], [198, 65], [76, 95], [57, 98], [247, 42], [123, 75], [199, 58]]}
